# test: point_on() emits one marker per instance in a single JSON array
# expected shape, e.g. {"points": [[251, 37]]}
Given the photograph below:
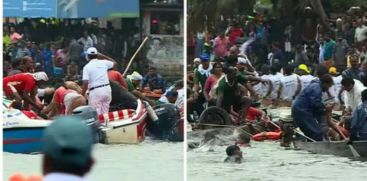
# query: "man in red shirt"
{"points": [[64, 101], [117, 76], [23, 87], [250, 114]]}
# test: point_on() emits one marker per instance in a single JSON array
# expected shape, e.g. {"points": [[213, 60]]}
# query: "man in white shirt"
{"points": [[290, 85], [67, 151], [360, 34], [95, 78], [352, 93], [305, 76], [336, 88], [86, 40], [275, 80]]}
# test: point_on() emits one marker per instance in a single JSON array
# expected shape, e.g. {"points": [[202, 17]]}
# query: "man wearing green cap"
{"points": [[67, 150]]}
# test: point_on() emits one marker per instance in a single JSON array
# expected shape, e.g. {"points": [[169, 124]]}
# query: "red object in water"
{"points": [[266, 136]]}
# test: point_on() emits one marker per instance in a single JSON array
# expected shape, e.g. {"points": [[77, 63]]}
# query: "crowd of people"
{"points": [[53, 78], [58, 47], [312, 71]]}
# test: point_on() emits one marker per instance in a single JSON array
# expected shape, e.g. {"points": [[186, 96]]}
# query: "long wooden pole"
{"points": [[133, 57]]}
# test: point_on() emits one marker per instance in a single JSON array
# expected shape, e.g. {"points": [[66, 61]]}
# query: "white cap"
{"points": [[135, 76], [197, 60], [40, 76], [92, 51], [241, 60]]}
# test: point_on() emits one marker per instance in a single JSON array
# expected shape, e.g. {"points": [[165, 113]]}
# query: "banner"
{"points": [[70, 8], [29, 8]]}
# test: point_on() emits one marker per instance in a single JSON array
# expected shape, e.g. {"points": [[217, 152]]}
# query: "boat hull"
{"points": [[23, 140], [338, 148]]}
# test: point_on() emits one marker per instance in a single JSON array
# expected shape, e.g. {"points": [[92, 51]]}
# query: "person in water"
{"points": [[234, 154]]}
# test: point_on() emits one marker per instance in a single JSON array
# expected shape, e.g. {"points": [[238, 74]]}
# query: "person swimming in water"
{"points": [[234, 154]]}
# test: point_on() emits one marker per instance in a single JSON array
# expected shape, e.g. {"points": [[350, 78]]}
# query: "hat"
{"points": [[333, 71], [135, 76], [92, 51], [241, 60], [69, 140], [304, 68], [204, 57], [38, 76]]}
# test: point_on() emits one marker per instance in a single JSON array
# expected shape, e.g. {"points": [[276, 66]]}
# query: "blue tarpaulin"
{"points": [[71, 8]]}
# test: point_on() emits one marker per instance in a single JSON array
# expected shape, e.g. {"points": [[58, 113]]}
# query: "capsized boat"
{"points": [[338, 148]]}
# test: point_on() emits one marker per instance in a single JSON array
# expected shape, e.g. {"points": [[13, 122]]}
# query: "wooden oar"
{"points": [[352, 149], [133, 57]]}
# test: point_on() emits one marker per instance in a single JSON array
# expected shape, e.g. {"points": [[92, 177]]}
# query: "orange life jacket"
{"points": [[266, 136]]}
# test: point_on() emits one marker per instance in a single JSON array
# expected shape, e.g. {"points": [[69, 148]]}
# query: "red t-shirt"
{"points": [[21, 82], [234, 34], [116, 76], [60, 94], [252, 114]]}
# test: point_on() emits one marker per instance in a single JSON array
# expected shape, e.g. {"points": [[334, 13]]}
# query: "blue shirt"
{"points": [[154, 82], [310, 99], [358, 127]]}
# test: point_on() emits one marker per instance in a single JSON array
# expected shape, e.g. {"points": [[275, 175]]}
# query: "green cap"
{"points": [[69, 140]]}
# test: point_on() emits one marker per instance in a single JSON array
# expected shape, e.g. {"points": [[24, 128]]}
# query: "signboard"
{"points": [[70, 8], [97, 8], [29, 8]]}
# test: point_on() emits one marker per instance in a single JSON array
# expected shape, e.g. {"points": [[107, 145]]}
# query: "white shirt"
{"points": [[289, 88], [96, 72], [335, 89], [360, 33], [306, 80], [86, 42], [63, 177], [275, 81], [353, 98], [262, 89]]}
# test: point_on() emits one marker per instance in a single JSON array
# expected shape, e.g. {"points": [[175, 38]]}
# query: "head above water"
{"points": [[233, 150]]}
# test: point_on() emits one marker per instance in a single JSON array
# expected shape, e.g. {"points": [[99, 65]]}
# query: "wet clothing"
{"points": [[358, 130], [308, 111], [21, 82]]}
